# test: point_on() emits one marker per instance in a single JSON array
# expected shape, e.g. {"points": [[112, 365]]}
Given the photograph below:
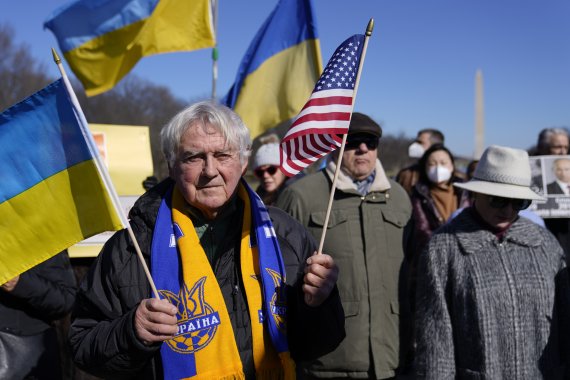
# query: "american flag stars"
{"points": [[341, 69], [319, 127]]}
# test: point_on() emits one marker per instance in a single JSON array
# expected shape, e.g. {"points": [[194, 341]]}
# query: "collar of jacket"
{"points": [[345, 183], [143, 213], [472, 237]]}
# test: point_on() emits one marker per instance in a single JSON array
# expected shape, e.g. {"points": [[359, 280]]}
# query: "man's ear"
{"points": [[170, 171]]}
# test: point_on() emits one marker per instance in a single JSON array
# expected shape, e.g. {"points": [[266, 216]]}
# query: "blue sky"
{"points": [[420, 65]]}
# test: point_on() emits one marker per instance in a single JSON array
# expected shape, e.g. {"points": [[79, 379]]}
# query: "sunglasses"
{"points": [[353, 142], [516, 204], [270, 169]]}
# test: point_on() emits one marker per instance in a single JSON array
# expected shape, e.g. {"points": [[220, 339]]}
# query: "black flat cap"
{"points": [[361, 123]]}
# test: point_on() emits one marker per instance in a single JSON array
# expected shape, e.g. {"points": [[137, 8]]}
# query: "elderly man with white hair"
{"points": [[242, 294], [492, 295]]}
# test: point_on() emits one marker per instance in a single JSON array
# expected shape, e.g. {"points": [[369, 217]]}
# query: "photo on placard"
{"points": [[557, 176], [551, 179]]}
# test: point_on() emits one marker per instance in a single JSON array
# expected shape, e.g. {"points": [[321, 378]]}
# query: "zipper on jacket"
{"points": [[235, 295], [515, 307]]}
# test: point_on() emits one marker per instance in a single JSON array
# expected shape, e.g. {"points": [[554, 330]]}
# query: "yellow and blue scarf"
{"points": [[205, 347]]}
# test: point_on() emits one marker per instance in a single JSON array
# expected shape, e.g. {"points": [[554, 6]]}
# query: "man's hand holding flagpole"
{"points": [[326, 115]]}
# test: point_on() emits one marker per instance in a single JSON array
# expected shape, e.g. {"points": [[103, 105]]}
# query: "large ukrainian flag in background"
{"points": [[102, 40], [51, 194], [279, 69]]}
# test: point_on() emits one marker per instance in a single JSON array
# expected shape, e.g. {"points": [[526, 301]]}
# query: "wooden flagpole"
{"points": [[103, 170], [214, 10], [368, 33]]}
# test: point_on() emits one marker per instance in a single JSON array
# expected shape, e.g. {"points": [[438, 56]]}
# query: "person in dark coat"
{"points": [[555, 141], [242, 294], [29, 304], [434, 198], [365, 235]]}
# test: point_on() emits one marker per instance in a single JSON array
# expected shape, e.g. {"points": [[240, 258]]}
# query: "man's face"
{"points": [[206, 171], [424, 140], [558, 144], [359, 157], [562, 170]]}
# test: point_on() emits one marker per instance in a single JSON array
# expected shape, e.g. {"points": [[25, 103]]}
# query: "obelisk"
{"points": [[479, 116]]}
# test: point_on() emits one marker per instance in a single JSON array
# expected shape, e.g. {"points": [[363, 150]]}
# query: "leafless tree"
{"points": [[135, 101], [20, 74], [393, 152]]}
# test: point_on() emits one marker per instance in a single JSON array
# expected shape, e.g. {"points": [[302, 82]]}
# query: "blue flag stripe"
{"points": [[46, 117], [285, 27], [105, 16]]}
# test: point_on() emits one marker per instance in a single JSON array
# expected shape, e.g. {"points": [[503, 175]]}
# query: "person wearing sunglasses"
{"points": [[365, 235], [492, 293], [266, 170]]}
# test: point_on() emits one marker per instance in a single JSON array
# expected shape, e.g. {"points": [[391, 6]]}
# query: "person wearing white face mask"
{"points": [[434, 199], [409, 176], [416, 150], [438, 174]]}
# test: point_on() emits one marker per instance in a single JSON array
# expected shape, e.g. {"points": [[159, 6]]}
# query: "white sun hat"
{"points": [[502, 172], [267, 154]]}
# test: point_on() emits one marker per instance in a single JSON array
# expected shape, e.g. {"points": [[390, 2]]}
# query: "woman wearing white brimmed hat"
{"points": [[493, 287]]}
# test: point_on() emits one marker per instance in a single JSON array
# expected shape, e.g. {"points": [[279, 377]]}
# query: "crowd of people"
{"points": [[435, 274]]}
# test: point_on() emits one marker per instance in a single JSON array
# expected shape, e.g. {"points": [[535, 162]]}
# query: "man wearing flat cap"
{"points": [[365, 237]]}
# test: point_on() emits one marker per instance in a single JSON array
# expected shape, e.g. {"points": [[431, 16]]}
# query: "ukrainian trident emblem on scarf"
{"points": [[197, 320], [278, 304]]}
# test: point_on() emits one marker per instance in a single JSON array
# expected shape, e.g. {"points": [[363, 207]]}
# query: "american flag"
{"points": [[319, 127]]}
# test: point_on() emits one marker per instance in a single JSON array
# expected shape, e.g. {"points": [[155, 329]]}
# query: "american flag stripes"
{"points": [[319, 127]]}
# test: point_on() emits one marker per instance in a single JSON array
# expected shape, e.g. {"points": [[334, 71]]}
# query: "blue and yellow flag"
{"points": [[103, 40], [51, 194], [280, 68]]}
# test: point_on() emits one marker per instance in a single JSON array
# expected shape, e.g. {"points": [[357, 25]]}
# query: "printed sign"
{"points": [[551, 179], [125, 150]]}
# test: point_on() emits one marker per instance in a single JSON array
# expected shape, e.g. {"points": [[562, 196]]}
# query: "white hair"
{"points": [[208, 114]]}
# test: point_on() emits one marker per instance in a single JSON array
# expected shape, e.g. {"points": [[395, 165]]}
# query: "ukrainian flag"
{"points": [[103, 40], [51, 194], [280, 68]]}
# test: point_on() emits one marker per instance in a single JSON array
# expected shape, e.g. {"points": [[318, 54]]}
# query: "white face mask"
{"points": [[438, 174], [416, 150]]}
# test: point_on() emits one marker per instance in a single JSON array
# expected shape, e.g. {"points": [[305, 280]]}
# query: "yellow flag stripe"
{"points": [[261, 102], [175, 25], [75, 206]]}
